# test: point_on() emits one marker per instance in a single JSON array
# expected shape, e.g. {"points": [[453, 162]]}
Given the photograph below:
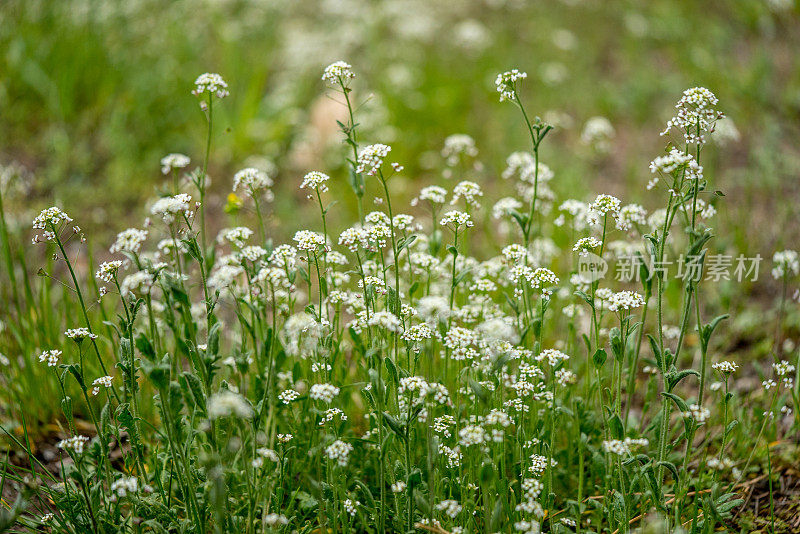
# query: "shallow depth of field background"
{"points": [[94, 92]]}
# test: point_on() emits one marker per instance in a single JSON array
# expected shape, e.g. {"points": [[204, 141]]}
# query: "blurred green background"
{"points": [[94, 92]]}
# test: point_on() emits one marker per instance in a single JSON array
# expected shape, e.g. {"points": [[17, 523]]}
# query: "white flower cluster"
{"points": [[552, 356], [139, 282], [210, 83], [786, 262], [385, 320], [103, 381], [720, 464], [226, 403], [338, 73], [274, 520], [237, 236], [625, 446], [417, 334], [629, 215], [604, 205], [625, 300], [48, 220], [425, 392], [783, 368], [585, 245], [76, 444], [331, 414], [506, 83], [531, 490], [79, 334], [470, 191], [598, 133], [725, 367], [107, 270], [696, 115], [432, 193], [472, 435], [309, 241], [457, 145], [351, 506], [371, 157], [676, 164], [129, 240], [168, 207], [456, 219], [460, 341], [171, 162], [251, 180], [323, 392], [315, 180], [125, 485], [449, 507], [288, 396], [505, 207], [538, 464], [339, 451], [50, 356], [698, 413]]}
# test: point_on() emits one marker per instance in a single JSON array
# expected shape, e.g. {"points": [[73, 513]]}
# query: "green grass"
{"points": [[92, 98]]}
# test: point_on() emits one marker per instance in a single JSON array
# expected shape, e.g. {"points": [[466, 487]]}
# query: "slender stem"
{"points": [[204, 175]]}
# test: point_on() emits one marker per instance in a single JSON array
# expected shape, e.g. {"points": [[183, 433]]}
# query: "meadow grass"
{"points": [[453, 370]]}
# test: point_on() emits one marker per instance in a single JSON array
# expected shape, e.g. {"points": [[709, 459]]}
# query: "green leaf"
{"points": [[157, 372], [395, 426], [460, 277], [709, 328], [679, 402], [212, 347], [731, 425], [672, 469], [145, 347], [413, 289], [127, 422], [196, 388], [674, 378], [390, 366], [75, 371], [478, 389], [656, 351], [393, 301], [487, 473], [617, 345], [406, 242], [306, 502], [599, 357], [497, 515], [617, 428]]}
